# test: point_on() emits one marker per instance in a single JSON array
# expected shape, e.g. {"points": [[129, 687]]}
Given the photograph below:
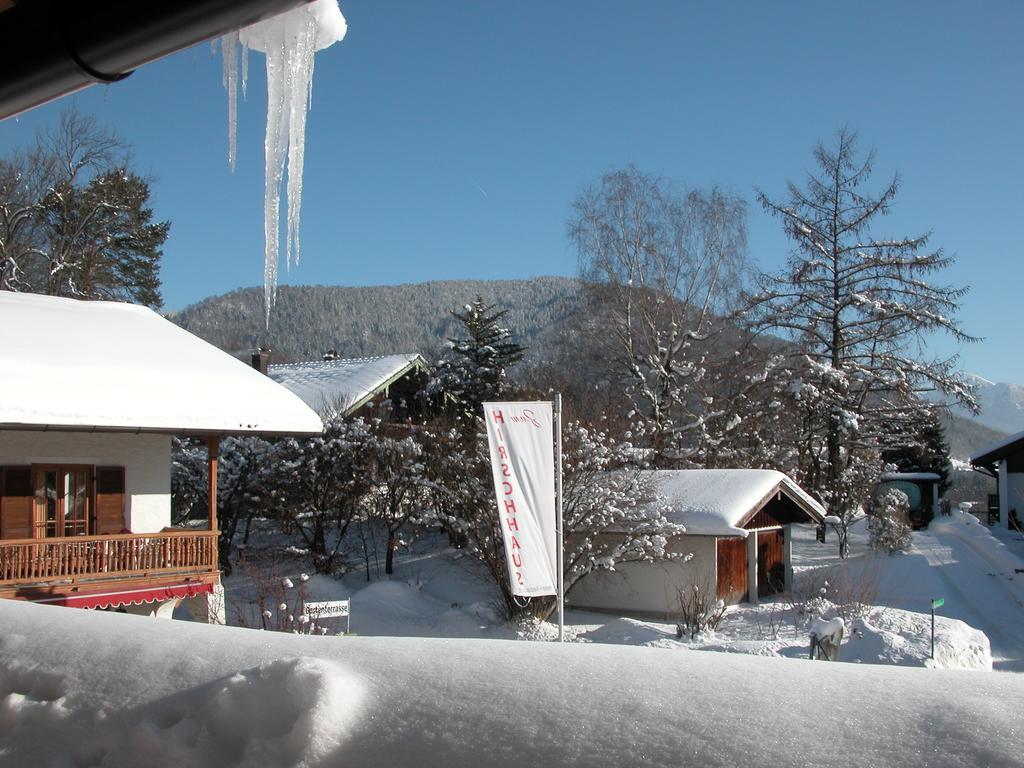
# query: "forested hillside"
{"points": [[967, 436], [377, 320]]}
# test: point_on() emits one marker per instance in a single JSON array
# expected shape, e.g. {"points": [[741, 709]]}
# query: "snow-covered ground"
{"points": [[437, 592], [461, 688], [80, 688], [975, 573]]}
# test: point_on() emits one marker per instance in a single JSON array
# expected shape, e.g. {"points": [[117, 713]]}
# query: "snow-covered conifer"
{"points": [[476, 368], [856, 308]]}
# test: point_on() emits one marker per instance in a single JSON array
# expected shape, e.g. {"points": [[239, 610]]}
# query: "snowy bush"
{"points": [[272, 600], [317, 487], [608, 520], [889, 523], [700, 610], [839, 590]]}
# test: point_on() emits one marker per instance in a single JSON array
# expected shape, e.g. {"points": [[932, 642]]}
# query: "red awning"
{"points": [[108, 598]]}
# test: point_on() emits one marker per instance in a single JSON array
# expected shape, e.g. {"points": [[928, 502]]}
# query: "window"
{"points": [[63, 500], [57, 500]]}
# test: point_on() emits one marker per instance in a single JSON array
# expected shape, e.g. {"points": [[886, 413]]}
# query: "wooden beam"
{"points": [[212, 445]]}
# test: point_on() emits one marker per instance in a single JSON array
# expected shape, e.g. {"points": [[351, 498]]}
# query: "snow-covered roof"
{"points": [[110, 366], [910, 476], [997, 451], [343, 385], [717, 502]]}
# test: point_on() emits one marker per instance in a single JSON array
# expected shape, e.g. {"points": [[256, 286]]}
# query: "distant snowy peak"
{"points": [[1002, 404], [976, 380]]}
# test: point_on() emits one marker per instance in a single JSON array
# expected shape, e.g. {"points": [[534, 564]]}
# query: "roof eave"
{"points": [[141, 430], [781, 487], [417, 363]]}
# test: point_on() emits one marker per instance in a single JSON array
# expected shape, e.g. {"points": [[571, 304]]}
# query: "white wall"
{"points": [[649, 588], [1013, 495], [146, 460]]}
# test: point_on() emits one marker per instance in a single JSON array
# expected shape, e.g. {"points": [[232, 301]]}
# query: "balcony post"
{"points": [[212, 445]]}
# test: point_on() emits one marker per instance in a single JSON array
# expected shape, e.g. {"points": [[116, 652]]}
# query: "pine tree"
{"points": [[476, 371], [102, 240], [928, 451], [856, 309], [75, 220]]}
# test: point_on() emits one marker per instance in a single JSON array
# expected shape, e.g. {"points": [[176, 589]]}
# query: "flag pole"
{"points": [[558, 516]]}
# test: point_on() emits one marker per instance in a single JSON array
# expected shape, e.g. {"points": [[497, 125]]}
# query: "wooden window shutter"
{"points": [[17, 502], [109, 500]]}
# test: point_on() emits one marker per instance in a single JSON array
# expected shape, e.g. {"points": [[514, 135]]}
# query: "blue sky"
{"points": [[447, 140]]}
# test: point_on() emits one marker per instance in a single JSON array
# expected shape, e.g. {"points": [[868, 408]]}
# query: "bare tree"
{"points": [[660, 267], [857, 310], [397, 495]]}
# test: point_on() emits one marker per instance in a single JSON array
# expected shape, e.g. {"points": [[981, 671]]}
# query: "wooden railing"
{"points": [[90, 558]]}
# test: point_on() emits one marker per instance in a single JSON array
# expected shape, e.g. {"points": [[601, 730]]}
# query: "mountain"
{"points": [[967, 436], [381, 320], [377, 320], [1002, 405]]}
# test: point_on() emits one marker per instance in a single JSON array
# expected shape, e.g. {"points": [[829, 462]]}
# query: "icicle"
{"points": [[229, 77], [289, 42]]}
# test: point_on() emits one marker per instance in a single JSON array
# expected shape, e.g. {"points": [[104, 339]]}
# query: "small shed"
{"points": [[922, 490], [737, 536], [385, 386]]}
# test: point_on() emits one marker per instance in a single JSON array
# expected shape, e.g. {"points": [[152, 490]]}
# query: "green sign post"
{"points": [[938, 602]]}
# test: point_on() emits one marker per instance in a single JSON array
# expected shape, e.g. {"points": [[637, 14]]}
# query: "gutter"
{"points": [[51, 48]]}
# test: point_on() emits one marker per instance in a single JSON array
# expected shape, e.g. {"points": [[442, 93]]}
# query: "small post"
{"points": [[212, 446], [558, 516], [936, 603]]}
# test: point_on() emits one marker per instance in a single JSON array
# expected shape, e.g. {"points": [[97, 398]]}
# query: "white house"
{"points": [[90, 395], [1005, 462], [737, 539]]}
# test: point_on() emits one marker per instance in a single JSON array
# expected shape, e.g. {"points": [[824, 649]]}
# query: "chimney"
{"points": [[261, 359]]}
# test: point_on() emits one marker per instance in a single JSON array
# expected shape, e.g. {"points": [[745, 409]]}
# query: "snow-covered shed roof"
{"points": [[108, 366], [998, 451], [344, 385], [718, 502]]}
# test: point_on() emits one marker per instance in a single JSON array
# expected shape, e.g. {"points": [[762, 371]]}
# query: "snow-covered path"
{"points": [[951, 561]]}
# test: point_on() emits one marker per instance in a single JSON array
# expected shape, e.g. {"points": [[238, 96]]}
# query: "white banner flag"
{"points": [[522, 461]]}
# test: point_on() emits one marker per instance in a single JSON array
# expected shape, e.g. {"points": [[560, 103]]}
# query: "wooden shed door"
{"points": [[771, 574], [732, 570]]}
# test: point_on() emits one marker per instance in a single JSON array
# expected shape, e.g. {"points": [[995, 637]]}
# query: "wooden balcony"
{"points": [[63, 565]]}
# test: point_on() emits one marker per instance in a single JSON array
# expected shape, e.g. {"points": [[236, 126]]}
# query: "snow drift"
{"points": [[116, 690]]}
